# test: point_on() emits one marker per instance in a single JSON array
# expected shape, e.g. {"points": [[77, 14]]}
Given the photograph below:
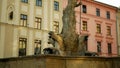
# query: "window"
{"points": [[22, 46], [98, 28], [23, 20], [37, 47], [11, 15], [38, 2], [56, 6], [24, 1], [84, 25], [56, 27], [86, 43], [84, 9], [97, 12], [108, 14], [99, 47], [38, 23], [109, 48], [108, 30]]}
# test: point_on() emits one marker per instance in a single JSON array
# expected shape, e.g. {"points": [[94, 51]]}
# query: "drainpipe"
{"points": [[80, 18], [79, 5], [117, 32]]}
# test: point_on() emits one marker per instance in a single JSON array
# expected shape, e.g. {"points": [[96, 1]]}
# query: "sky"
{"points": [[111, 2]]}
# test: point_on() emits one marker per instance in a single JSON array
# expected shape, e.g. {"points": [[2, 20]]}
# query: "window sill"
{"points": [[85, 32], [38, 5], [109, 37], [99, 35]]}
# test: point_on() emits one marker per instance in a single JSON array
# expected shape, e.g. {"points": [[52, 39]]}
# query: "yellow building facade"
{"points": [[118, 30], [24, 26]]}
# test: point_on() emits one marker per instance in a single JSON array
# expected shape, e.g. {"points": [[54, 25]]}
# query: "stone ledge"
{"points": [[55, 61]]}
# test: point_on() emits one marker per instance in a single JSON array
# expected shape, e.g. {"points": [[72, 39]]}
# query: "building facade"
{"points": [[98, 21], [24, 26], [118, 30]]}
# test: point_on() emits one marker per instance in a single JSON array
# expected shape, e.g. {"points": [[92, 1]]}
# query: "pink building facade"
{"points": [[98, 22]]}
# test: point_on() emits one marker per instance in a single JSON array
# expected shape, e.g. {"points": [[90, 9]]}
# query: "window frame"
{"points": [[98, 28], [86, 43], [84, 8], [108, 14], [56, 5], [38, 22], [39, 3], [99, 47], [109, 48], [37, 45], [56, 26], [97, 12], [23, 20], [84, 26], [24, 1], [108, 30], [11, 15], [22, 46]]}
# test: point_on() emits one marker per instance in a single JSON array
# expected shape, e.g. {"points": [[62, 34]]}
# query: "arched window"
{"points": [[10, 12], [11, 15]]}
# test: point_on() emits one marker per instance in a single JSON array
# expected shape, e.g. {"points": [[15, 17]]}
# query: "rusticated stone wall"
{"points": [[52, 61]]}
